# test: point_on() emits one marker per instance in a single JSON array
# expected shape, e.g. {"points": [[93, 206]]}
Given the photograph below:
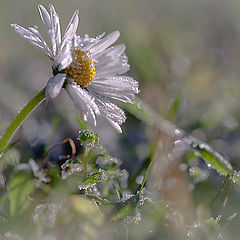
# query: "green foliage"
{"points": [[94, 178], [86, 137], [91, 190], [82, 124], [124, 209], [20, 189]]}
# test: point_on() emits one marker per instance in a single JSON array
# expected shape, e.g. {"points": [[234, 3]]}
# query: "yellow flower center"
{"points": [[82, 68]]}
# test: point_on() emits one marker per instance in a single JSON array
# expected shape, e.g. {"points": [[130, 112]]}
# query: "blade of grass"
{"points": [[144, 163], [221, 189], [101, 200], [145, 177]]}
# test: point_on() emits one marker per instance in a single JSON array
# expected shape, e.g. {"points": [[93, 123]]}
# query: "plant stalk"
{"points": [[85, 160], [22, 115]]}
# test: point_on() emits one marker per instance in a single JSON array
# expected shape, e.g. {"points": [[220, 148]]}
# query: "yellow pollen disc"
{"points": [[82, 68]]}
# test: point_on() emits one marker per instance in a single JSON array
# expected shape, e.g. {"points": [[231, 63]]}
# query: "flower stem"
{"points": [[22, 115], [85, 160]]}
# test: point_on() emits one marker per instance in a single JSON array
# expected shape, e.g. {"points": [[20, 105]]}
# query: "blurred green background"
{"points": [[185, 55]]}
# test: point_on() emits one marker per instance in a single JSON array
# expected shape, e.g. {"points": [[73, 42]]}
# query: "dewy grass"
{"points": [[22, 115], [145, 177], [212, 158]]}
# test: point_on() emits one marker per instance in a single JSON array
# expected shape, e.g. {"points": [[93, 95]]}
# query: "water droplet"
{"points": [[138, 217], [209, 165], [189, 234], [220, 236], [177, 131], [202, 146], [178, 142]]}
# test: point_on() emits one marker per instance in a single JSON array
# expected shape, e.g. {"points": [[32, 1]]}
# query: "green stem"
{"points": [[85, 160], [145, 177], [22, 115]]}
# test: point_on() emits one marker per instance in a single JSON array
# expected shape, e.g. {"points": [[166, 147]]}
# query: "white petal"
{"points": [[55, 85], [64, 58], [111, 51], [112, 112], [112, 93], [44, 16], [54, 31], [46, 49], [110, 61], [105, 42], [34, 37], [120, 88], [109, 109], [28, 35], [112, 70], [89, 44], [121, 83], [115, 125], [126, 81], [82, 41], [83, 101], [71, 29]]}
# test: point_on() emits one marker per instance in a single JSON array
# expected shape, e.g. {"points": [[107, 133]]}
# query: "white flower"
{"points": [[88, 68]]}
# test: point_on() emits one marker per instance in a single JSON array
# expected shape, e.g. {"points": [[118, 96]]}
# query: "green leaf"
{"points": [[93, 179], [88, 138], [4, 198], [222, 166], [175, 106], [82, 124], [124, 209], [231, 217], [118, 189], [20, 187], [212, 224], [54, 175], [100, 200]]}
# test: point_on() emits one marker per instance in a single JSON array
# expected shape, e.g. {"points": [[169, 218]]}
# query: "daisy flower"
{"points": [[89, 69]]}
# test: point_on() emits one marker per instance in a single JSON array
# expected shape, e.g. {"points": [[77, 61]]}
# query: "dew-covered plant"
{"points": [[88, 193]]}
